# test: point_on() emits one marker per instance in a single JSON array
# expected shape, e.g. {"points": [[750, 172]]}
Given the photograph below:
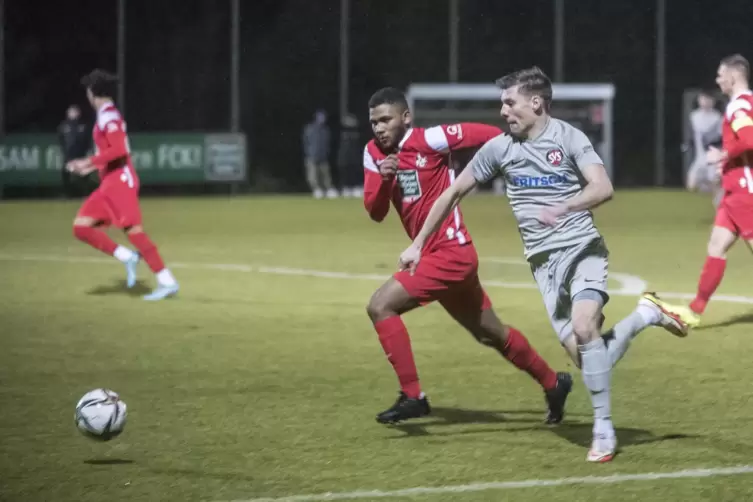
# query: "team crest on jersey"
{"points": [[455, 130], [409, 184], [420, 160], [555, 157]]}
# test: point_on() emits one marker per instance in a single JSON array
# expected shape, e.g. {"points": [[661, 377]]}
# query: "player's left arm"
{"points": [[450, 138], [117, 144], [598, 187], [742, 126]]}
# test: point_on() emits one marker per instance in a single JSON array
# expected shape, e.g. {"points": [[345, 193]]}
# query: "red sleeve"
{"points": [[116, 140], [453, 137], [376, 190], [376, 195], [742, 125]]}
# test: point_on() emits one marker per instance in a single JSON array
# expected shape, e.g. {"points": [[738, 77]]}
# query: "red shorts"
{"points": [[114, 204], [735, 213], [449, 276]]}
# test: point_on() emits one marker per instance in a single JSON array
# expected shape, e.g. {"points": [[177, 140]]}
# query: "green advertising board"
{"points": [[159, 158]]}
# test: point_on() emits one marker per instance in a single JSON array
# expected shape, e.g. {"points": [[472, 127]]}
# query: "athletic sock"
{"points": [[596, 376], [519, 352], [711, 277], [397, 347]]}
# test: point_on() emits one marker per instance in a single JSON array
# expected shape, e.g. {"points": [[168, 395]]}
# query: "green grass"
{"points": [[258, 384]]}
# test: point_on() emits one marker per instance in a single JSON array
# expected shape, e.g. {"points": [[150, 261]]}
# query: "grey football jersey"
{"points": [[538, 173]]}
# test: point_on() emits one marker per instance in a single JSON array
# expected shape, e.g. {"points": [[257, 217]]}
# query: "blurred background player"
{"points": [[734, 216], [554, 178], [349, 157], [116, 201], [316, 149], [75, 139], [706, 124], [408, 167]]}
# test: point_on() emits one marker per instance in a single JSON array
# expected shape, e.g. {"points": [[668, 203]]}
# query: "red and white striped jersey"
{"points": [[423, 174]]}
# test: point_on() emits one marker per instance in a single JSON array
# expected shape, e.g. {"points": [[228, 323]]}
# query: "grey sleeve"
{"points": [[491, 159], [580, 149]]}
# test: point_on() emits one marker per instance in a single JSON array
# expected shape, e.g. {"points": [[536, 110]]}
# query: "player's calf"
{"points": [[489, 330], [597, 368], [384, 309], [85, 231], [166, 284]]}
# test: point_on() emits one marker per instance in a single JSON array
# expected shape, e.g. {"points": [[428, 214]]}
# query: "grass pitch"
{"points": [[263, 377]]}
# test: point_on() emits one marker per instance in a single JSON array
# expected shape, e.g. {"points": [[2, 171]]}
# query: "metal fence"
{"points": [[263, 67]]}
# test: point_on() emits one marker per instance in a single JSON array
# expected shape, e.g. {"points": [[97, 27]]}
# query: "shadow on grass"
{"points": [[119, 287], [579, 434]]}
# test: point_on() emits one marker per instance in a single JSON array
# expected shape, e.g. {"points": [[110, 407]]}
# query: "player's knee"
{"points": [[378, 308], [585, 329], [80, 232], [716, 248]]}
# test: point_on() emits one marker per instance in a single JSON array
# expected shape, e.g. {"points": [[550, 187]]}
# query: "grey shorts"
{"points": [[563, 273]]}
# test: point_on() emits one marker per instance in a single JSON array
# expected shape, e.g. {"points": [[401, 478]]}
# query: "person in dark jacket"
{"points": [[350, 157], [316, 150], [75, 140]]}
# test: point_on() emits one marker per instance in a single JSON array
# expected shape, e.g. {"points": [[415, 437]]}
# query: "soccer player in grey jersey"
{"points": [[554, 178]]}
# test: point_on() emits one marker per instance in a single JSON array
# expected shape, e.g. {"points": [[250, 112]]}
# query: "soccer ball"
{"points": [[100, 414]]}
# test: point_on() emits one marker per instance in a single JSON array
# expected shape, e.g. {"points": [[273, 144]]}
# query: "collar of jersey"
{"points": [[405, 138], [546, 126], [105, 106]]}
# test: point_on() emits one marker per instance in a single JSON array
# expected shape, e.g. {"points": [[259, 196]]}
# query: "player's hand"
{"points": [[716, 157], [80, 166], [409, 259], [549, 215], [388, 166]]}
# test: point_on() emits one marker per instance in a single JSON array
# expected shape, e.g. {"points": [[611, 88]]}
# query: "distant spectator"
{"points": [[706, 123], [316, 150], [75, 139], [350, 157]]}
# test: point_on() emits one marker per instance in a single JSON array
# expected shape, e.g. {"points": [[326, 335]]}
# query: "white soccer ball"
{"points": [[100, 414]]}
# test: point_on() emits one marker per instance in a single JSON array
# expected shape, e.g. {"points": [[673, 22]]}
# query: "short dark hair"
{"points": [[102, 83], [529, 81], [738, 62], [388, 96]]}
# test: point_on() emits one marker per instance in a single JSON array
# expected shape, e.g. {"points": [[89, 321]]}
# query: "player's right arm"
{"points": [[377, 185], [117, 144]]}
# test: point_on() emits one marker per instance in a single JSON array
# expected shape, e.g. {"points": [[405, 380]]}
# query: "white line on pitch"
{"points": [[510, 485], [303, 272]]}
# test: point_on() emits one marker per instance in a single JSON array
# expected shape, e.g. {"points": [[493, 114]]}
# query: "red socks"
{"points": [[95, 238], [520, 353], [711, 277], [147, 250], [396, 344]]}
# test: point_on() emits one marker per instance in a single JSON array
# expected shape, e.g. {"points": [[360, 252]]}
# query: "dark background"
{"points": [[178, 62]]}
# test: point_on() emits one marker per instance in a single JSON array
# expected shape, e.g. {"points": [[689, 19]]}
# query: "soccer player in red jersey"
{"points": [[734, 216], [116, 201], [408, 167]]}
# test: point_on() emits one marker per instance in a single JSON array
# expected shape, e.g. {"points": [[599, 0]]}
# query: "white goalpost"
{"points": [[586, 106]]}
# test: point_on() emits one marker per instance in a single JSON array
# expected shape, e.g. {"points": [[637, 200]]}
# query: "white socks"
{"points": [[165, 278], [596, 372], [124, 254], [627, 329]]}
